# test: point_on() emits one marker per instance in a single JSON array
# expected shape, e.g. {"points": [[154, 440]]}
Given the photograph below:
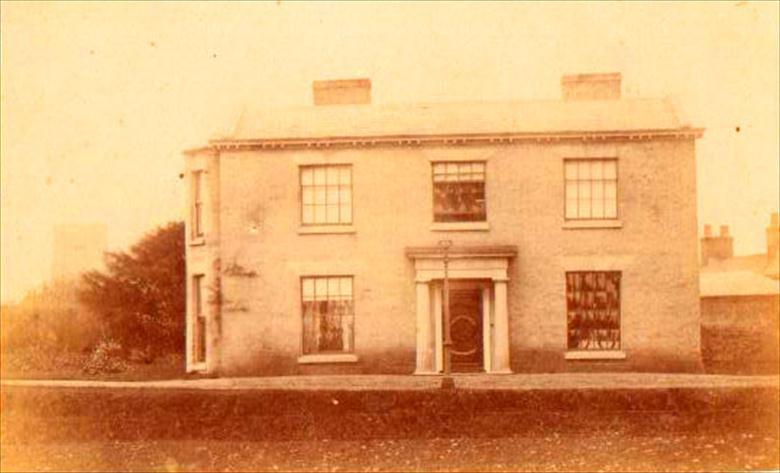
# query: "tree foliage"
{"points": [[140, 298]]}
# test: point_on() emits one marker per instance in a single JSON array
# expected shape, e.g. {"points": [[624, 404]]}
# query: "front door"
{"points": [[466, 328]]}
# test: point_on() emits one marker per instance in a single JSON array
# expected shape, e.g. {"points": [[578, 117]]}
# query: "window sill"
{"points": [[460, 227], [324, 229], [328, 358], [596, 355], [577, 224], [198, 241]]}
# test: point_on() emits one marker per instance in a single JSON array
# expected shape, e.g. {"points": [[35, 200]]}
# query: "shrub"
{"points": [[140, 298], [106, 357]]}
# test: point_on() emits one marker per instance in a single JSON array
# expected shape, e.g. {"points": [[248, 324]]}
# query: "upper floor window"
{"points": [[328, 314], [591, 188], [197, 204], [593, 310], [459, 192], [326, 195]]}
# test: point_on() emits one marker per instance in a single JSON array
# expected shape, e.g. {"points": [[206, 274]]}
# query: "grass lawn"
{"points": [[571, 430], [569, 451], [30, 363]]}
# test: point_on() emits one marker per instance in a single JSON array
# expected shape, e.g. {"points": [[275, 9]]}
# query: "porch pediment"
{"points": [[464, 262]]}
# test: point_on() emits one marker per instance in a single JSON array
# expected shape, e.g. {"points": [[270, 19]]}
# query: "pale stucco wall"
{"points": [[392, 192]]}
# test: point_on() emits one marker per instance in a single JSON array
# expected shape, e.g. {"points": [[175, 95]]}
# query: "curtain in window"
{"points": [[593, 310]]}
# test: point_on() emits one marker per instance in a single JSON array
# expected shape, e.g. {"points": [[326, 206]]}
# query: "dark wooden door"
{"points": [[466, 330]]}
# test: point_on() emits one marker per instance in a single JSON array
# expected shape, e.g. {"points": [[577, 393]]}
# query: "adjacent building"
{"points": [[740, 303], [317, 237]]}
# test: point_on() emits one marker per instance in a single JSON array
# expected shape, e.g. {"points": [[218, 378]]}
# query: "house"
{"points": [[740, 304], [316, 236]]}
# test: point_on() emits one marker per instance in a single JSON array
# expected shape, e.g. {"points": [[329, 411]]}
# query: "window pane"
{"points": [[307, 176], [571, 208], [584, 208], [345, 195], [319, 195], [610, 209], [333, 194], [571, 170], [308, 214], [460, 196], [597, 190], [333, 287], [332, 176], [308, 289], [346, 287], [610, 189], [197, 185], [308, 195], [328, 321], [321, 289], [319, 214], [346, 213], [319, 176], [597, 210], [593, 310], [584, 190], [571, 190], [610, 169], [583, 170], [332, 214], [345, 175], [596, 168]]}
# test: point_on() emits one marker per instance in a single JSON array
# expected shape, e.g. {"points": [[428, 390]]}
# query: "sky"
{"points": [[97, 100]]}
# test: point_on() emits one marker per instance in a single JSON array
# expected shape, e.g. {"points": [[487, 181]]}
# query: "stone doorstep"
{"points": [[546, 381]]}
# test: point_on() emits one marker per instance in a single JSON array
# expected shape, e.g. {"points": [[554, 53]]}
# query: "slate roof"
{"points": [[455, 118], [736, 283]]}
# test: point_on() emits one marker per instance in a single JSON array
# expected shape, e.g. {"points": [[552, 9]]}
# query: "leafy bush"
{"points": [[106, 357], [140, 297], [49, 318]]}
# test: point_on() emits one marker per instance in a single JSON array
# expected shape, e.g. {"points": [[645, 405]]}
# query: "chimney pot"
{"points": [[591, 86], [716, 247]]}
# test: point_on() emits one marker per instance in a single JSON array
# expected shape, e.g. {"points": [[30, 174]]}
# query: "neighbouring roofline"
{"points": [[229, 144]]}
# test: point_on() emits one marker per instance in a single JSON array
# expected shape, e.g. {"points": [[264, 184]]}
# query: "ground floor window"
{"points": [[199, 321], [593, 310], [328, 314]]}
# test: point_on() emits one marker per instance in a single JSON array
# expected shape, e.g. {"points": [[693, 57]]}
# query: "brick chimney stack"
{"points": [[342, 92], [716, 247], [591, 86]]}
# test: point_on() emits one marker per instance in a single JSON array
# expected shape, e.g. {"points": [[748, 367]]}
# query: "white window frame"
{"points": [[578, 176], [319, 185], [197, 233], [347, 354]]}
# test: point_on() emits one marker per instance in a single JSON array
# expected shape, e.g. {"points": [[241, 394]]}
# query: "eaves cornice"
{"points": [[477, 139]]}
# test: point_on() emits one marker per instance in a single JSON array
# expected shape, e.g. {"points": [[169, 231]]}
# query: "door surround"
{"points": [[487, 263]]}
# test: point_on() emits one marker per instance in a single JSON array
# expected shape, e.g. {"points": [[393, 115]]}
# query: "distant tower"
{"points": [[77, 248]]}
